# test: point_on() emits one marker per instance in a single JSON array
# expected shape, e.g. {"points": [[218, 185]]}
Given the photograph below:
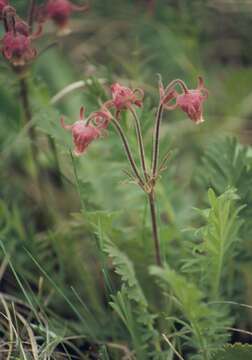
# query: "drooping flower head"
{"points": [[123, 97], [17, 48], [17, 41], [190, 101], [59, 11], [83, 133], [17, 45]]}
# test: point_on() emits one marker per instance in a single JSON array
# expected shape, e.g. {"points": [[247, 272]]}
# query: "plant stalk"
{"points": [[151, 197], [158, 120], [156, 136]]}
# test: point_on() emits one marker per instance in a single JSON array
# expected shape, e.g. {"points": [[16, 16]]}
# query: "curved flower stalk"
{"points": [[124, 98], [175, 95]]}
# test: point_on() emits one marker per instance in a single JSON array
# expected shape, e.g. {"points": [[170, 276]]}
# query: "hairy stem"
{"points": [[156, 136], [151, 197], [140, 143], [158, 120], [128, 151]]}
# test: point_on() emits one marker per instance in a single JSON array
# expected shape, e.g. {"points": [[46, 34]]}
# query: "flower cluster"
{"points": [[85, 132]]}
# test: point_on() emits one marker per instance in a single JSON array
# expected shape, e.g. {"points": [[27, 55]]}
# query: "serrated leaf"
{"points": [[132, 290]]}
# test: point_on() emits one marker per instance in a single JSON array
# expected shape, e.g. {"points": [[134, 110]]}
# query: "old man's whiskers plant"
{"points": [[175, 95]]}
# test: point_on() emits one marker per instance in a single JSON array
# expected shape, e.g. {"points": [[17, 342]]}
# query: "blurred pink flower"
{"points": [[83, 134], [123, 97], [17, 41], [17, 48], [59, 11]]}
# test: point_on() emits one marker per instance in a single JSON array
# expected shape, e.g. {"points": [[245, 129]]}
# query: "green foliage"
{"points": [[219, 240], [190, 301], [208, 267], [234, 352], [227, 163], [131, 305]]}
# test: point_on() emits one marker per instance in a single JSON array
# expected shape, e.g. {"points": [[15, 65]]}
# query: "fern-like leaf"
{"points": [[137, 302], [220, 236]]}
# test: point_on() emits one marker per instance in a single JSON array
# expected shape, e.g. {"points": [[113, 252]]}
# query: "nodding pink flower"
{"points": [[17, 41], [123, 97], [59, 11], [190, 101], [83, 134], [17, 48]]}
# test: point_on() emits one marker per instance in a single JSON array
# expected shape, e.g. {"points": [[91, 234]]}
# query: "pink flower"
{"points": [[17, 41], [190, 101], [59, 11], [123, 97], [83, 134], [17, 48]]}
